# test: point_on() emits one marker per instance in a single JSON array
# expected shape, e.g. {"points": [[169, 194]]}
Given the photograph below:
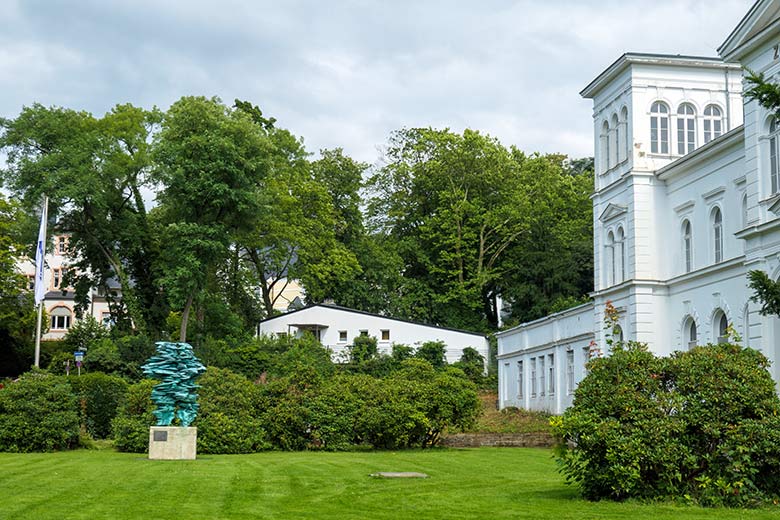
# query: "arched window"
{"points": [[774, 155], [613, 140], [659, 128], [686, 129], [713, 123], [689, 332], [717, 234], [617, 334], [687, 246], [60, 318], [610, 253], [620, 255], [720, 327], [625, 146], [605, 165]]}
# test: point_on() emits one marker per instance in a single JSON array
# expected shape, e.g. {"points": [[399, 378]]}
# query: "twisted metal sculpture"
{"points": [[176, 365]]}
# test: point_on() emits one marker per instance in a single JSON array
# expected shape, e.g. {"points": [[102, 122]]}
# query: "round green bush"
{"points": [[701, 426], [38, 413]]}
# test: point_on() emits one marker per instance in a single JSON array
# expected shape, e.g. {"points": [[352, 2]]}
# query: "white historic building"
{"points": [[59, 300], [337, 327], [686, 202]]}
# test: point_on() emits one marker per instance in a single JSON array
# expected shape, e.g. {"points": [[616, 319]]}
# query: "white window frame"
{"points": [[717, 234], [774, 156], [570, 371], [382, 335], [713, 123], [343, 336], [520, 381], [690, 333], [686, 128], [687, 244], [533, 377], [551, 374], [659, 128], [542, 381]]}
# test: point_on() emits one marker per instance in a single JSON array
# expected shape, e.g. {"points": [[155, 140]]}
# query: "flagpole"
{"points": [[39, 288]]}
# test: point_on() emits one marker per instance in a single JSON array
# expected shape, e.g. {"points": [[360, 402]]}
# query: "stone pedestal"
{"points": [[172, 443]]}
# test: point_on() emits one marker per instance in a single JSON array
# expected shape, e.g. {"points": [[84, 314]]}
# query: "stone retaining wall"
{"points": [[507, 440]]}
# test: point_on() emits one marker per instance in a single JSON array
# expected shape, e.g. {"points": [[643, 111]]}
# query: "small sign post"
{"points": [[79, 355]]}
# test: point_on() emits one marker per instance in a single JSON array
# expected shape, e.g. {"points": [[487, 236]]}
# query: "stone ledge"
{"points": [[502, 440]]}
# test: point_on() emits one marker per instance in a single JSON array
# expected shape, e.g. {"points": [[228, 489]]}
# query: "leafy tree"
{"points": [[209, 159], [93, 170], [551, 266], [295, 231]]}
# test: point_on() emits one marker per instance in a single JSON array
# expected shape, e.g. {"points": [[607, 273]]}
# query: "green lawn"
{"points": [[470, 483]]}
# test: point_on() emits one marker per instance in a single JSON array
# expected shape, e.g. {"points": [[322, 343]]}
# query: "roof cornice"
{"points": [[739, 43], [632, 58]]}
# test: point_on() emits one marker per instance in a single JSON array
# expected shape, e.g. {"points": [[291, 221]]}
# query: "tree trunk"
{"points": [[185, 316]]}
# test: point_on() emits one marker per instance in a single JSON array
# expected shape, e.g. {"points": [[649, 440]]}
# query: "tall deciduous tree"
{"points": [[94, 171], [455, 205], [305, 212], [210, 160]]}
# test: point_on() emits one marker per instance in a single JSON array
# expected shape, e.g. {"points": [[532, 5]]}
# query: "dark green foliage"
{"points": [[401, 352], [363, 348], [433, 352], [766, 292], [84, 334], [132, 422], [766, 93], [700, 426], [229, 416], [99, 397], [473, 364], [38, 413]]}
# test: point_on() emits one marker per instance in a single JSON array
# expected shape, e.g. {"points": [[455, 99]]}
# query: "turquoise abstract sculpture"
{"points": [[176, 365]]}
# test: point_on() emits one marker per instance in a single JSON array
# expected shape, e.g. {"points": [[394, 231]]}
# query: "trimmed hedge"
{"points": [[38, 413]]}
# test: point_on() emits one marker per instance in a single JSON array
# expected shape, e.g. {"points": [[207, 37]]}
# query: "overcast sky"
{"points": [[347, 73]]}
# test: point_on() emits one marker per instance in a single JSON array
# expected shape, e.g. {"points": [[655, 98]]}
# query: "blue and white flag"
{"points": [[40, 251]]}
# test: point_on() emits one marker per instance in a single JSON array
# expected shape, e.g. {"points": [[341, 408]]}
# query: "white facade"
{"points": [[337, 327], [686, 202]]}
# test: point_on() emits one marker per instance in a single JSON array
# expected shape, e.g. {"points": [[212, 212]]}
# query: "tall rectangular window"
{"points": [[520, 379], [533, 377], [569, 372], [551, 374], [542, 386]]}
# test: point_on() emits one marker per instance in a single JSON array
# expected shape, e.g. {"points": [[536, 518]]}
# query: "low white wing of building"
{"points": [[337, 327]]}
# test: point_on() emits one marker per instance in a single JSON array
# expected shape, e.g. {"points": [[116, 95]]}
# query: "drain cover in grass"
{"points": [[398, 474]]}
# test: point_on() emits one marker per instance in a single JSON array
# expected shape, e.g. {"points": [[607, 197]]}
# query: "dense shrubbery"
{"points": [[288, 395], [132, 421], [99, 396], [228, 420], [701, 426], [309, 408], [38, 413]]}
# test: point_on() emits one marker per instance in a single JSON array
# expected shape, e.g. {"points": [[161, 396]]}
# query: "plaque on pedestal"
{"points": [[172, 442]]}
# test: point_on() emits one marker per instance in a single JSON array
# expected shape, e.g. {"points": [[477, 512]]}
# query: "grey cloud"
{"points": [[348, 73]]}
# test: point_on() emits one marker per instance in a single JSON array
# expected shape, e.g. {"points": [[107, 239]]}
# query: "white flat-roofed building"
{"points": [[337, 327]]}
